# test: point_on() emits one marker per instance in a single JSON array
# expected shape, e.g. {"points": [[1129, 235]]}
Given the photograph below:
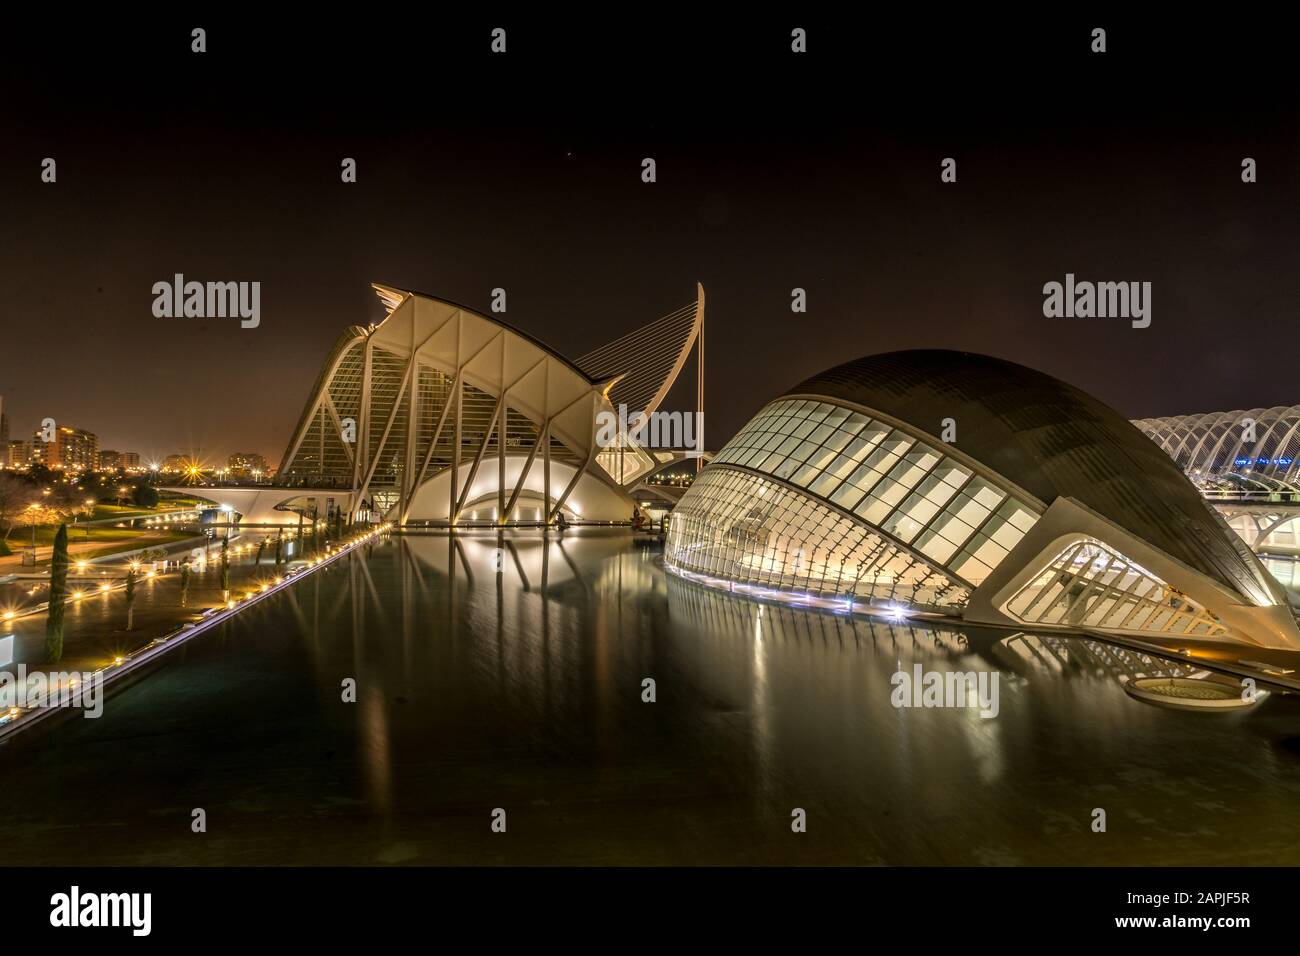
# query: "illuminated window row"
{"points": [[746, 529], [1090, 585], [889, 479]]}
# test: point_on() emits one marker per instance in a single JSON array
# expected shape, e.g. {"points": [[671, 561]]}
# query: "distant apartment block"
{"points": [[73, 449], [17, 453], [246, 465], [179, 464]]}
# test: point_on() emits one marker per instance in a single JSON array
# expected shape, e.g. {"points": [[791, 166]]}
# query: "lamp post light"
{"points": [[35, 509]]}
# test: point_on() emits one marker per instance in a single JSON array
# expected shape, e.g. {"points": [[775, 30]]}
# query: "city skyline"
{"points": [[753, 198], [643, 446]]}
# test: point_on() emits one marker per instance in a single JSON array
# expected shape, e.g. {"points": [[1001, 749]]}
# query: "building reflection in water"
{"points": [[498, 669]]}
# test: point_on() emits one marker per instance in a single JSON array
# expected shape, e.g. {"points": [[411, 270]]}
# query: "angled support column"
{"points": [[495, 423]]}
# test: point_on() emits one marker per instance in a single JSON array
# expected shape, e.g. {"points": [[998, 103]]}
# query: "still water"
{"points": [[522, 690]]}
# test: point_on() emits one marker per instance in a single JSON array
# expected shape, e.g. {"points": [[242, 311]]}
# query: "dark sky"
{"points": [[523, 171]]}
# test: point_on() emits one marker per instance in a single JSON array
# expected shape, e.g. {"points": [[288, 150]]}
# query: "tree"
{"points": [[279, 548], [261, 546], [130, 598], [185, 582], [58, 595], [16, 496], [144, 496], [225, 570]]}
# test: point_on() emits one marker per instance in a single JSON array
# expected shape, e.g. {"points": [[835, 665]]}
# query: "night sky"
{"points": [[523, 171]]}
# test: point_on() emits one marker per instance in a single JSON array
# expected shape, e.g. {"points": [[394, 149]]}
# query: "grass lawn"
{"points": [[135, 511], [136, 539]]}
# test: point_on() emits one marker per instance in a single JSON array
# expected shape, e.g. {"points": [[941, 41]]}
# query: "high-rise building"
{"points": [[110, 460], [244, 464], [73, 449], [18, 453], [130, 460]]}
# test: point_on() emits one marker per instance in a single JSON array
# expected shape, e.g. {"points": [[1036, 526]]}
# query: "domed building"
{"points": [[971, 487]]}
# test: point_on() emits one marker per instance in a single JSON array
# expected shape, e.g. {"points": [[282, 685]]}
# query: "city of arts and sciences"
{"points": [[471, 616]]}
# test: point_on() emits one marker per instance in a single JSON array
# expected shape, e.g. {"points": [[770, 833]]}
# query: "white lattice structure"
{"points": [[442, 414]]}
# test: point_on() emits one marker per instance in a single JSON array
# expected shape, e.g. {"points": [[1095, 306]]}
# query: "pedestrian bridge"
{"points": [[1265, 521], [271, 505]]}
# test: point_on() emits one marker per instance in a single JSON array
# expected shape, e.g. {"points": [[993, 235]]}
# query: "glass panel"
{"points": [[847, 495], [936, 547]]}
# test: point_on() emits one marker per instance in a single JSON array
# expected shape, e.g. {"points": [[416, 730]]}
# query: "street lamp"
{"points": [[35, 509]]}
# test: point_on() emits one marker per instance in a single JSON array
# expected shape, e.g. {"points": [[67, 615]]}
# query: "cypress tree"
{"points": [[225, 569], [58, 595], [130, 598]]}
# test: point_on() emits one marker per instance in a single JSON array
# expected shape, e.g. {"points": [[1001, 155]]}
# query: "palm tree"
{"points": [[58, 594]]}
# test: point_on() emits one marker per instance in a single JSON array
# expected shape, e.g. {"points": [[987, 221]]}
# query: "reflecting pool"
{"points": [[508, 672]]}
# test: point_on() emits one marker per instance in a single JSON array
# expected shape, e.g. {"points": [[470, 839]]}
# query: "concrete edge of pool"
{"points": [[113, 673]]}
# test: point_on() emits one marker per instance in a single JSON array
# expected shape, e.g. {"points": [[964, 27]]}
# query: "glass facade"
{"points": [[1090, 585], [751, 531], [858, 507], [887, 478]]}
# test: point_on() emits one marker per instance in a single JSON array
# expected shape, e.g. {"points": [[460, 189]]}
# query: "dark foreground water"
{"points": [[523, 691]]}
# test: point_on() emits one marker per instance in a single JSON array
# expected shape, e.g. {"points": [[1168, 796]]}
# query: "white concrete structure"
{"points": [[441, 414], [970, 487], [263, 505]]}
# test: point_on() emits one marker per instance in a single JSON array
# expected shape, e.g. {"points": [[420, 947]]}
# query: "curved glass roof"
{"points": [[1051, 439], [887, 477]]}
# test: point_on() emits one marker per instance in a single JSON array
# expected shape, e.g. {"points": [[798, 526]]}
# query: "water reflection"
{"points": [[506, 671]]}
